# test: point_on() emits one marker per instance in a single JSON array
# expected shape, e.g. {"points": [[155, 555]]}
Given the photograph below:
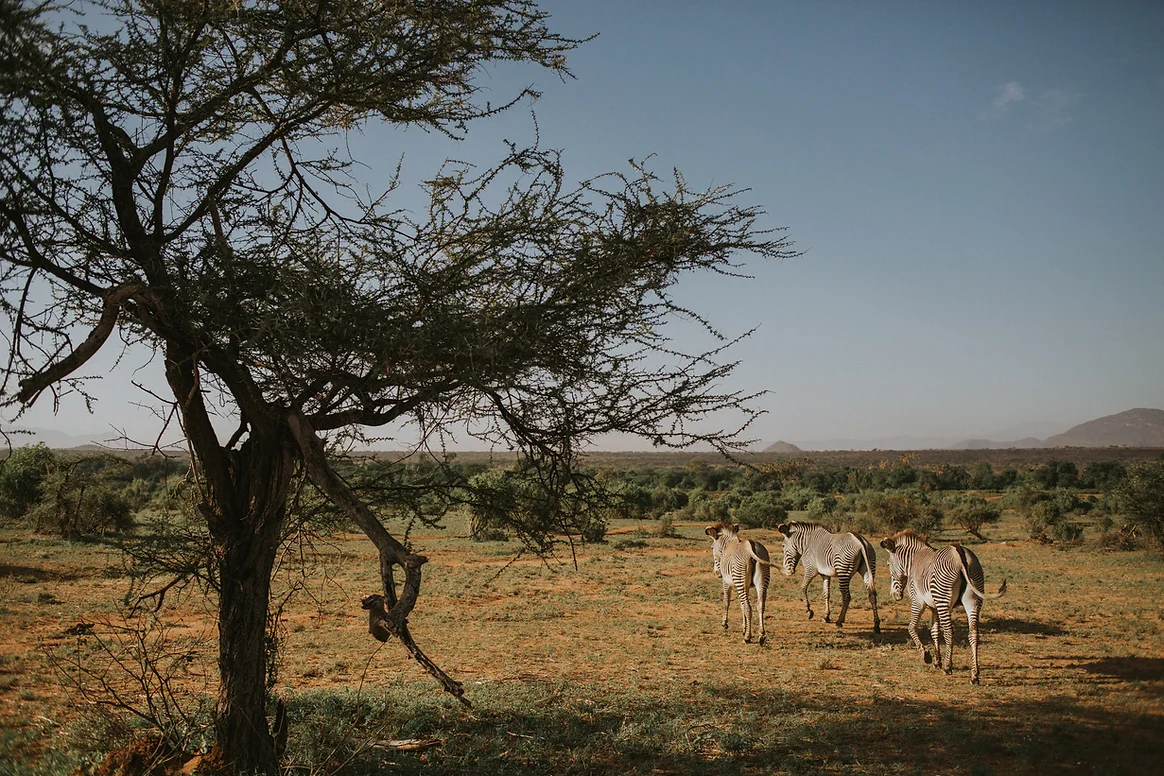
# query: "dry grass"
{"points": [[621, 665]]}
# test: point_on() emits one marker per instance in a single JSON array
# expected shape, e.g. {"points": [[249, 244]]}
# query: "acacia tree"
{"points": [[173, 178]]}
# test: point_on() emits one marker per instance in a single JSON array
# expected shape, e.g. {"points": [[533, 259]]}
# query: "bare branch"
{"points": [[113, 301], [393, 608]]}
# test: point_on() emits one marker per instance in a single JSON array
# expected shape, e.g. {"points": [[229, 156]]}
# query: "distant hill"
{"points": [[782, 447], [879, 443], [1025, 443], [1140, 427]]}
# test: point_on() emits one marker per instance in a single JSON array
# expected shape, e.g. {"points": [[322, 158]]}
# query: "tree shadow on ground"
{"points": [[731, 727], [36, 574], [1015, 625], [1136, 669]]}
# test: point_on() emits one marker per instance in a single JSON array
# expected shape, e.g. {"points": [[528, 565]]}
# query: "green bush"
{"points": [[1140, 498], [798, 497], [22, 477], [1122, 541], [666, 526], [863, 523], [524, 503], [76, 507], [896, 510], [1067, 531], [1040, 518], [972, 513], [761, 510], [821, 509]]}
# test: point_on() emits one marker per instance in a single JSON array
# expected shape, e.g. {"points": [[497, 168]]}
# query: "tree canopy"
{"points": [[175, 178]]}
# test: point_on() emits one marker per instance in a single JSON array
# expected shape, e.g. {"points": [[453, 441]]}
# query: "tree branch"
{"points": [[31, 387], [394, 610]]}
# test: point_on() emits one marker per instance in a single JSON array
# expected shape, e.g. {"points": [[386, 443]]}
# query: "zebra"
{"points": [[828, 554], [740, 563], [937, 579]]}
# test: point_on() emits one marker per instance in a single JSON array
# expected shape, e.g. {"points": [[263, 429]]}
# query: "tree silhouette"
{"points": [[174, 177]]}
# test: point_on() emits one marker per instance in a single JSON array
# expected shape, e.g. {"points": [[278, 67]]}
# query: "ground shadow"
{"points": [[886, 636], [737, 726], [1138, 669], [35, 574], [1015, 625]]}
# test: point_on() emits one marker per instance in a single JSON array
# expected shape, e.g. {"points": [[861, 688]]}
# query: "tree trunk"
{"points": [[246, 530], [243, 741]]}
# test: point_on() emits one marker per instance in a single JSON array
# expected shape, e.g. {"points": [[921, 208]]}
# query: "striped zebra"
{"points": [[740, 563], [937, 579], [830, 555]]}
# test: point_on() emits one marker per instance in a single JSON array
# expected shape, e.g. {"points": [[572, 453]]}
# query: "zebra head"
{"points": [[793, 546], [720, 533], [898, 567]]}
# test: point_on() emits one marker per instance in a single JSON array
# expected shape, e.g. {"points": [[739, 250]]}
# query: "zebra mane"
{"points": [[795, 525], [724, 528], [912, 534]]}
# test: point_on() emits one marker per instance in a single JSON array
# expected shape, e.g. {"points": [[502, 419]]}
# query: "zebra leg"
{"points": [[972, 621], [825, 589], [808, 575], [843, 583], [761, 581], [727, 604], [936, 636], [915, 613], [746, 611], [946, 619], [871, 587]]}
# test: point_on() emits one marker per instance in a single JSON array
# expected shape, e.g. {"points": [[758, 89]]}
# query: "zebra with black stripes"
{"points": [[740, 564], [937, 580], [831, 555]]}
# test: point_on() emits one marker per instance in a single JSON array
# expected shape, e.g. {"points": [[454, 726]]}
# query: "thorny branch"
{"points": [[394, 608]]}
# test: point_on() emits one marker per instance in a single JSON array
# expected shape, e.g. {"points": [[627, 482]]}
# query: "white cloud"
{"points": [[1051, 109], [1056, 107], [1008, 93]]}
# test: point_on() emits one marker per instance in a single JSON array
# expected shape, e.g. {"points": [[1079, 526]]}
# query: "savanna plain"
{"points": [[614, 661]]}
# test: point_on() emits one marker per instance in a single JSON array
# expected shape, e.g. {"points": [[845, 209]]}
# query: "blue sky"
{"points": [[979, 188]]}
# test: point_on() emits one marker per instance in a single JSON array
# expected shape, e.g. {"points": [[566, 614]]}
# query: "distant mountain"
{"points": [[1140, 427], [782, 447], [58, 440], [881, 443], [990, 444]]}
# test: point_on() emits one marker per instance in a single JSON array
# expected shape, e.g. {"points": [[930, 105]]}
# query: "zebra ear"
{"points": [[713, 531], [736, 528], [888, 544], [783, 528]]}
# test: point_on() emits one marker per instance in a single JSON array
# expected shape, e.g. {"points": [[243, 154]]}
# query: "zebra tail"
{"points": [[756, 557], [865, 547], [966, 575]]}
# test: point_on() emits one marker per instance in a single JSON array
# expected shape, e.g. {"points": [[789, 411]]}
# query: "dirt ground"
{"points": [[1072, 657]]}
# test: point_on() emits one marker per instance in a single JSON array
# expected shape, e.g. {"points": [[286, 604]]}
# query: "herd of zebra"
{"points": [[936, 579]]}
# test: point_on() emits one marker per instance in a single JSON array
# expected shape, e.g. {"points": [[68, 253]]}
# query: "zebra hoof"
{"points": [[828, 618], [926, 656], [947, 671], [810, 614], [764, 640], [974, 680]]}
